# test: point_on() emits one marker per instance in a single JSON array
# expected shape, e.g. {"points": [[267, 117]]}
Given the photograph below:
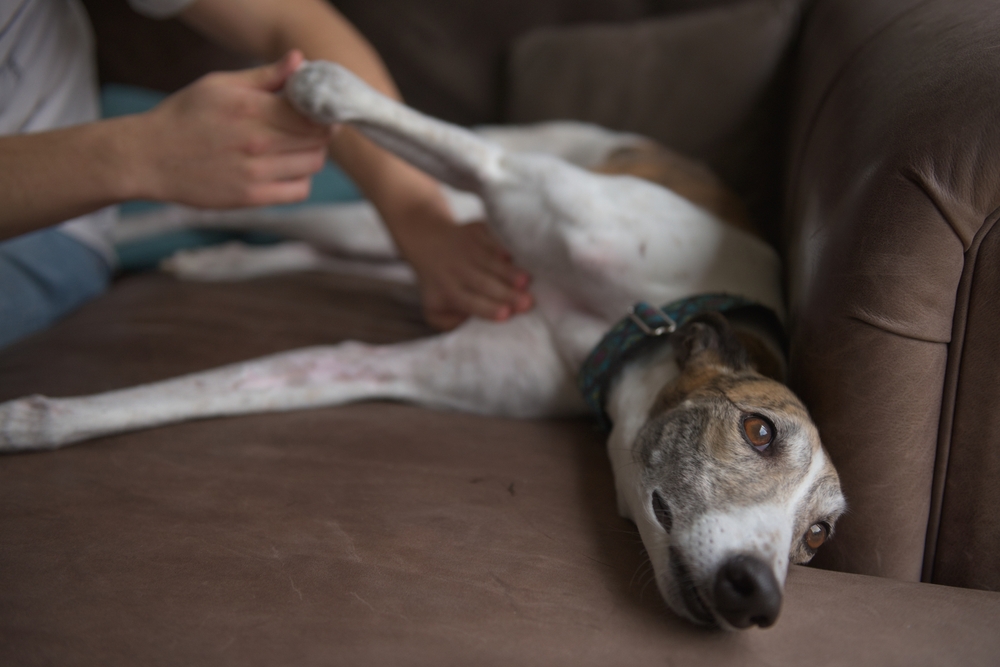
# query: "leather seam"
{"points": [[949, 397], [914, 177], [881, 327]]}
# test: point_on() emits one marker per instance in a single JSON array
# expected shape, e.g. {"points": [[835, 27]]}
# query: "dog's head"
{"points": [[730, 482]]}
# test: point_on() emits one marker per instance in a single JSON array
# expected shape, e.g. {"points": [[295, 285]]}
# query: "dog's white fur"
{"points": [[594, 245]]}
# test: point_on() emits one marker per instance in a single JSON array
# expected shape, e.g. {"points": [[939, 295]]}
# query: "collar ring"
{"points": [[669, 327]]}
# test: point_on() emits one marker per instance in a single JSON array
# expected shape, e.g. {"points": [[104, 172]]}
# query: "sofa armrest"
{"points": [[892, 192]]}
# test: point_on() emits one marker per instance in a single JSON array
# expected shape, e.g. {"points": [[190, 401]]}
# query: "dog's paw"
{"points": [[326, 92], [24, 424]]}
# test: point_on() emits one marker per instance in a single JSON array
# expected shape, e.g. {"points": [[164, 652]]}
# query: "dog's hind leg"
{"points": [[508, 369], [236, 261], [583, 144], [352, 229], [329, 93], [533, 201]]}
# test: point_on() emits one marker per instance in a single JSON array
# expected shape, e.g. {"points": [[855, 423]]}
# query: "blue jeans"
{"points": [[44, 276], [47, 274]]}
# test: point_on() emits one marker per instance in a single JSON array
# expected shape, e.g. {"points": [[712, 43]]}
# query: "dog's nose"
{"points": [[746, 592]]}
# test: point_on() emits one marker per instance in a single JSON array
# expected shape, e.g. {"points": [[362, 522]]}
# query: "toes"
{"points": [[23, 424]]}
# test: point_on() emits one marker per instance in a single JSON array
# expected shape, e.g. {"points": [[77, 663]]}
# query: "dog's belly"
{"points": [[608, 241]]}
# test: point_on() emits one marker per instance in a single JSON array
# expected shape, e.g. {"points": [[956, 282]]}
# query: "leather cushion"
{"points": [[364, 535]]}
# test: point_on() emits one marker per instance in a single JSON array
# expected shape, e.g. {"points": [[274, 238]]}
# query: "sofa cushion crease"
{"points": [[364, 534]]}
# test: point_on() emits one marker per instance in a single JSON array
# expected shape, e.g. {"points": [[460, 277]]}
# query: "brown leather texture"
{"points": [[892, 191], [964, 531], [447, 56], [363, 535], [163, 55]]}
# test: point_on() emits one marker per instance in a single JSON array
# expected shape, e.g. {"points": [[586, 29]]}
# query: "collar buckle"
{"points": [[670, 325]]}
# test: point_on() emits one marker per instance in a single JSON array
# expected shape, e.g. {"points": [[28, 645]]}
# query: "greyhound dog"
{"points": [[715, 460]]}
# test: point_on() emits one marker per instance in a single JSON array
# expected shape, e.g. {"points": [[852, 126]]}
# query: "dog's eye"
{"points": [[817, 535], [759, 432], [662, 512]]}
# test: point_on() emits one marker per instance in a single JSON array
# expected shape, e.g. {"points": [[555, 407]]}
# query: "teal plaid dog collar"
{"points": [[644, 326]]}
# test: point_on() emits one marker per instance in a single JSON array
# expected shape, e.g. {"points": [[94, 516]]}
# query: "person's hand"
{"points": [[229, 140], [462, 270]]}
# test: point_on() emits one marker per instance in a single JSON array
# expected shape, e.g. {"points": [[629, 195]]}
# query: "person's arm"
{"points": [[462, 270], [225, 141], [52, 176]]}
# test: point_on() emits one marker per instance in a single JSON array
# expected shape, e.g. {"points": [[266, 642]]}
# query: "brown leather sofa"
{"points": [[862, 134]]}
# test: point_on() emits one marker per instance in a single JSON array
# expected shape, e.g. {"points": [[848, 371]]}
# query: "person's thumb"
{"points": [[272, 77]]}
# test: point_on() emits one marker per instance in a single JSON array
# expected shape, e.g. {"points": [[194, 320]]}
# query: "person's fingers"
{"points": [[286, 166], [488, 310], [496, 259], [475, 302], [277, 128], [439, 311], [281, 116], [489, 286], [459, 296], [264, 143], [494, 288], [523, 302], [472, 275], [515, 278], [278, 192], [499, 267], [271, 77], [501, 294], [489, 278]]}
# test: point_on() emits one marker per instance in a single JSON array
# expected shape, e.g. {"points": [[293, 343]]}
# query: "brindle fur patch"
{"points": [[705, 348], [688, 178], [732, 472]]}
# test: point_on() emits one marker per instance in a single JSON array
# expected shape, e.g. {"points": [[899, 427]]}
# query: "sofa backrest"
{"points": [[712, 84]]}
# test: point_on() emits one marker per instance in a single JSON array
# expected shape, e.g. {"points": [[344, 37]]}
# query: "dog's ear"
{"points": [[704, 347], [709, 338]]}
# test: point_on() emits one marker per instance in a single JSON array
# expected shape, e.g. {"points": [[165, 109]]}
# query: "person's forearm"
{"points": [[48, 177], [270, 28], [267, 28], [461, 270]]}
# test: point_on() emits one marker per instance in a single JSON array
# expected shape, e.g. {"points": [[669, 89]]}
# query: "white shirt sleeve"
{"points": [[159, 9]]}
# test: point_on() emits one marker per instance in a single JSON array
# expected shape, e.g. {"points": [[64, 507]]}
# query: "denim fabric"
{"points": [[44, 276], [47, 274]]}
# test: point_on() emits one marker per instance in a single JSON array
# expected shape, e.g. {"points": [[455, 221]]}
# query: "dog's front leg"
{"points": [[509, 369]]}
